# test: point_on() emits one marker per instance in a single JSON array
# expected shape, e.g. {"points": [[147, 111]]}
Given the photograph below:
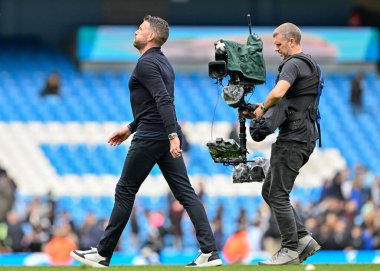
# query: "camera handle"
{"points": [[242, 133]]}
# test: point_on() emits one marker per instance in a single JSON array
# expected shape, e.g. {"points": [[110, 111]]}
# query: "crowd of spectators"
{"points": [[346, 217]]}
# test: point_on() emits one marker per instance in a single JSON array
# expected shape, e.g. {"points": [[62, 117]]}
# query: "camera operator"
{"points": [[297, 86]]}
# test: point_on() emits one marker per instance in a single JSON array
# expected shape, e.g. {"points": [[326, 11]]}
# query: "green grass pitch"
{"points": [[232, 267]]}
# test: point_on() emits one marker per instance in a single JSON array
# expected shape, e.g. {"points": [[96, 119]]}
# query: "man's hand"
{"points": [[119, 136], [258, 111], [175, 149], [249, 114]]}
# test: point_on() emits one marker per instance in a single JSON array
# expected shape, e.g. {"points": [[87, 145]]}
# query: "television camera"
{"points": [[244, 64]]}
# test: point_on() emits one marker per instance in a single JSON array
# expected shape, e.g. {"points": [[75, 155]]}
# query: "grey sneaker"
{"points": [[206, 259], [282, 257], [307, 246], [90, 257]]}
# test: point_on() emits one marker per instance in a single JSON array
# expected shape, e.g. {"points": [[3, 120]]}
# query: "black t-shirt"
{"points": [[152, 96], [296, 69]]}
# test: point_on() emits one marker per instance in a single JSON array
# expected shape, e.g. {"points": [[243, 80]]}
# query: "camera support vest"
{"points": [[311, 85]]}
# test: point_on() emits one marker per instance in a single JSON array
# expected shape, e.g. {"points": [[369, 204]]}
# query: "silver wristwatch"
{"points": [[172, 136]]}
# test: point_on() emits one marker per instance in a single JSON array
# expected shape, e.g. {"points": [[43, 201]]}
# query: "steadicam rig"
{"points": [[244, 64]]}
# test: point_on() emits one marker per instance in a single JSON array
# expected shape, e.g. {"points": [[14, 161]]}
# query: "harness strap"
{"points": [[317, 114]]}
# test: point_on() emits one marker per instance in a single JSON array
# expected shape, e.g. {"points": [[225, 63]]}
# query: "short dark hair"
{"points": [[160, 27]]}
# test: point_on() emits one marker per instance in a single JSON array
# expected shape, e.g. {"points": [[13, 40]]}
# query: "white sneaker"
{"points": [[206, 259], [90, 257], [307, 246], [282, 257]]}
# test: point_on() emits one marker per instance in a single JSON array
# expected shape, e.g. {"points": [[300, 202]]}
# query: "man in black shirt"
{"points": [[157, 140], [297, 88]]}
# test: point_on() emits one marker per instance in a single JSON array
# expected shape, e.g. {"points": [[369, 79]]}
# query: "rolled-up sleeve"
{"points": [[132, 126]]}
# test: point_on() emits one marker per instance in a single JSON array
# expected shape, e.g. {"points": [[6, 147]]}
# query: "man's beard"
{"points": [[138, 45]]}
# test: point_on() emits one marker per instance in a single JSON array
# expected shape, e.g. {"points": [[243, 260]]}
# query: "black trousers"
{"points": [[286, 160], [143, 154]]}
